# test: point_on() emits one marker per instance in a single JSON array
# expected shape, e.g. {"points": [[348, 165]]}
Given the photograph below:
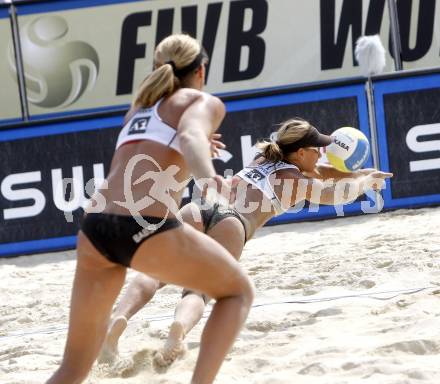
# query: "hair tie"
{"points": [[181, 72], [171, 62]]}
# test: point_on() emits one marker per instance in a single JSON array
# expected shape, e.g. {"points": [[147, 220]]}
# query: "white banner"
{"points": [[9, 96], [86, 58]]}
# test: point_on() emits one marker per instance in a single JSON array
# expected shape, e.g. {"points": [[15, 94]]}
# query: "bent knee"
{"points": [[146, 285], [249, 291], [241, 287]]}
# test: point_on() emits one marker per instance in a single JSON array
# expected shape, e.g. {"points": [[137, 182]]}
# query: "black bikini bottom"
{"points": [[118, 237], [210, 217], [216, 213]]}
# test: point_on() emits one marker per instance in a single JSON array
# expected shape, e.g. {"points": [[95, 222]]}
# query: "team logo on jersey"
{"points": [[255, 175], [138, 126], [57, 71]]}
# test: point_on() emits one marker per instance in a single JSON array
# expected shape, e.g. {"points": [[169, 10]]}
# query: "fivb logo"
{"points": [[57, 71]]}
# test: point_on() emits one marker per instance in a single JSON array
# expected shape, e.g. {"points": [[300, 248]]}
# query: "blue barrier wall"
{"points": [[408, 123], [37, 156]]}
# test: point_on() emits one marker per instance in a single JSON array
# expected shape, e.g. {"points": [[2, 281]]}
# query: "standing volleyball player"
{"points": [[165, 139], [284, 174]]}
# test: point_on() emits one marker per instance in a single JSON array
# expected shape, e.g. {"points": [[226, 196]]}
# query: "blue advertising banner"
{"points": [[46, 167], [43, 178], [408, 124]]}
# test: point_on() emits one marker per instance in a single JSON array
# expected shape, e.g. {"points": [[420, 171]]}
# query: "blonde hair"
{"points": [[290, 132], [173, 53]]}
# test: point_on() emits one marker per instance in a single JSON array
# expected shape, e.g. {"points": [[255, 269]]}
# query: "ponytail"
{"points": [[176, 57], [291, 131], [270, 150], [159, 83]]}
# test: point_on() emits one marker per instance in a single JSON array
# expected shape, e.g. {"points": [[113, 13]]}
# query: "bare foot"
{"points": [[109, 350], [174, 346]]}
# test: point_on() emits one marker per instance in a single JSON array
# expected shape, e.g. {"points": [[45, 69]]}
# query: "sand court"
{"points": [[345, 300]]}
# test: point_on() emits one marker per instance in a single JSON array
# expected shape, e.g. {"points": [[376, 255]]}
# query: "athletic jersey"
{"points": [[258, 175], [146, 124]]}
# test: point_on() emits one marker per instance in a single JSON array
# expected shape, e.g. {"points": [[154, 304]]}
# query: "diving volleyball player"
{"points": [[285, 173]]}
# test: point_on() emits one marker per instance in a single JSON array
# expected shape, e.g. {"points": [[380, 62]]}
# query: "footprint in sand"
{"points": [[315, 369], [367, 284], [142, 360], [349, 366], [300, 283], [417, 375], [254, 270], [328, 312], [384, 264], [19, 351], [128, 367], [291, 320], [261, 326], [413, 347], [403, 303]]}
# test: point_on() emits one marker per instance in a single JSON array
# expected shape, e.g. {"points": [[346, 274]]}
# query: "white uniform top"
{"points": [[259, 176], [146, 124]]}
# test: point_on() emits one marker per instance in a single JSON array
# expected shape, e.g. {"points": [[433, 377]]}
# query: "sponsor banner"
{"points": [[409, 138], [42, 191], [10, 109], [253, 44], [419, 23]]}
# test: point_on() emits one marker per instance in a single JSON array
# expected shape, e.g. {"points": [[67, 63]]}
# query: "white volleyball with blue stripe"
{"points": [[350, 149]]}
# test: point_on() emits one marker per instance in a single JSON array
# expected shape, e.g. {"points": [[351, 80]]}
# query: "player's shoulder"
{"points": [[290, 173], [188, 96]]}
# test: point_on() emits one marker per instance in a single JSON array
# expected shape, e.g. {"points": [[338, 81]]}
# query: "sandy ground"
{"points": [[349, 300]]}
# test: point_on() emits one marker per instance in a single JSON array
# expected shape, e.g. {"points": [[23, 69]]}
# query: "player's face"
{"points": [[311, 157]]}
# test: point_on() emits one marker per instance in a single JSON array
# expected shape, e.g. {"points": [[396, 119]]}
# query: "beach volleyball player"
{"points": [[169, 126], [285, 173]]}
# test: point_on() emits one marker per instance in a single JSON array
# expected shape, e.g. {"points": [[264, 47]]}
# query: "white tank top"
{"points": [[146, 124], [258, 175]]}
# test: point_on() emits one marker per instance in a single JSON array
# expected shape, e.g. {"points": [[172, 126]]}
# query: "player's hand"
{"points": [[217, 189], [216, 145], [376, 180]]}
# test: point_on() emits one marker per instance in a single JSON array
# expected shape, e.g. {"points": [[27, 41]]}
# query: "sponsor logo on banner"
{"points": [[341, 20], [15, 187], [58, 70], [252, 44], [245, 47], [412, 132], [416, 139]]}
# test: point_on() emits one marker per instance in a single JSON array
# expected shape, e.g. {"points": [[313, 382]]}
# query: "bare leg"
{"points": [[139, 292], [195, 261], [188, 313], [96, 285], [181, 256], [230, 233]]}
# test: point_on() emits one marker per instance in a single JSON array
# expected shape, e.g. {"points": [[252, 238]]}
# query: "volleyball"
{"points": [[349, 150]]}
